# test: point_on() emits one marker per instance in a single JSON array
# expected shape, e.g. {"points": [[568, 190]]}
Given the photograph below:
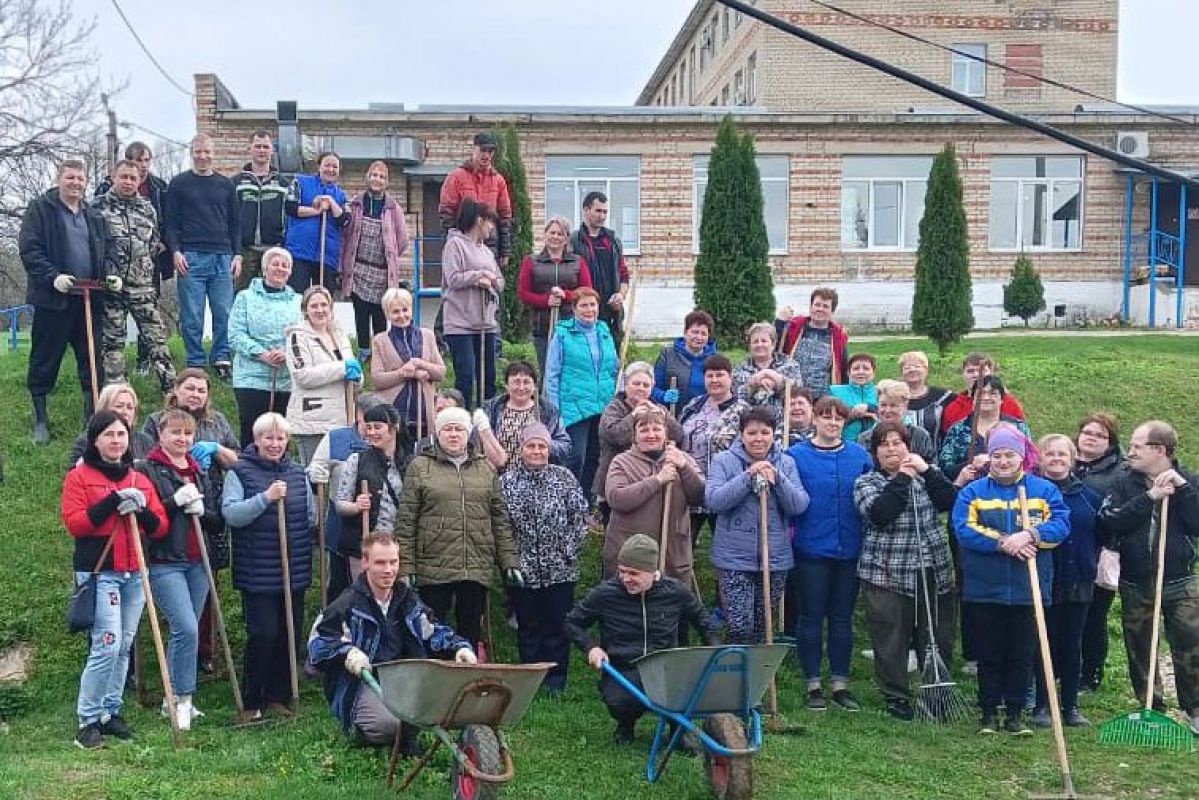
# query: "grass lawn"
{"points": [[562, 748]]}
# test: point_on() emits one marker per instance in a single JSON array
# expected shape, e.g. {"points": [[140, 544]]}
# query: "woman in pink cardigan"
{"points": [[407, 365], [371, 246]]}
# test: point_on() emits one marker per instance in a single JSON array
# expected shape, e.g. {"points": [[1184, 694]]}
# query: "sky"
{"points": [[468, 52]]}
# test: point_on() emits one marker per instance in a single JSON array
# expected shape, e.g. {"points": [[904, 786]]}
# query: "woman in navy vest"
{"points": [[263, 477], [580, 380], [308, 197]]}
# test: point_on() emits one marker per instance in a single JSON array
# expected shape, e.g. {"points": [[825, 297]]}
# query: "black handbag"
{"points": [[81, 608]]}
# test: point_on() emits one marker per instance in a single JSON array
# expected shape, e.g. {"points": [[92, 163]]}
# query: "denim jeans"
{"points": [[119, 603], [828, 589], [207, 279], [584, 452], [464, 352], [180, 590]]}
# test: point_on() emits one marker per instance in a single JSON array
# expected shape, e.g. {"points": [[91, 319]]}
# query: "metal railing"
{"points": [[419, 264], [13, 315]]}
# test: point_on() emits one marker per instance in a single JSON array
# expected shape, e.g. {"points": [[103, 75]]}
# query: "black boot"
{"points": [[89, 407], [41, 421]]}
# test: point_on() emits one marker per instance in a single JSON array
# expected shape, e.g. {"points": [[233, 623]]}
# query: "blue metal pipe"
{"points": [[1153, 256]]}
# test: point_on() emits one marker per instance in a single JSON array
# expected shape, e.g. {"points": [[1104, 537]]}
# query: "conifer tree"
{"points": [[514, 319], [1024, 295]]}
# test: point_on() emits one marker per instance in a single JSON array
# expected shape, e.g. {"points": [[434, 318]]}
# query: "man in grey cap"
{"points": [[638, 612]]}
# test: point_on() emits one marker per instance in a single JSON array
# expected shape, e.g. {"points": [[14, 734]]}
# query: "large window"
{"points": [[969, 74], [774, 174], [882, 201], [568, 179], [1036, 203]]}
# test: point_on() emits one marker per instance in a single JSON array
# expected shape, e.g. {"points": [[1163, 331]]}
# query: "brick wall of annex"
{"points": [[666, 148]]}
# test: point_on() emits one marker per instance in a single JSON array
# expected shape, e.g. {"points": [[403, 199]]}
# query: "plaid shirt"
{"points": [[891, 556]]}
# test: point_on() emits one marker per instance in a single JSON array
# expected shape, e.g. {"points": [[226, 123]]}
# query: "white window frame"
{"points": [[577, 215], [961, 58], [902, 247], [751, 79], [1049, 183], [699, 186]]}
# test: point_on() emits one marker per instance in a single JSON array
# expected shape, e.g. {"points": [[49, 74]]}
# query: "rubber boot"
{"points": [[41, 421], [89, 407]]}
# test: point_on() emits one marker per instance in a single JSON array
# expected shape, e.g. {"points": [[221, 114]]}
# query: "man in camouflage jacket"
{"points": [[132, 227]]}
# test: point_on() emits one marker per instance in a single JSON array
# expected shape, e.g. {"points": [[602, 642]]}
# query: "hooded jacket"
{"points": [[257, 323], [466, 308], [730, 494], [1128, 525], [318, 379], [1101, 473], [676, 361]]}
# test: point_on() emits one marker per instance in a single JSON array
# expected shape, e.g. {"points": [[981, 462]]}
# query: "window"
{"points": [[568, 179], [969, 75], [774, 175], [724, 95], [724, 27], [882, 201], [684, 88], [751, 79], [691, 78], [739, 88], [1036, 203]]}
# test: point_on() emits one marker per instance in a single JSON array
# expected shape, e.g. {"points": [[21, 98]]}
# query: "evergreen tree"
{"points": [[941, 303], [732, 276], [514, 319], [1024, 295]]}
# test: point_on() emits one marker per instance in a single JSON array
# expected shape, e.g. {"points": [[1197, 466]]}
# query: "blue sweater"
{"points": [[986, 511], [303, 238], [1076, 560], [831, 527]]}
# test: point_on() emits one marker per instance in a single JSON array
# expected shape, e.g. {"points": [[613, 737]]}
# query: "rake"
{"points": [[1146, 727]]}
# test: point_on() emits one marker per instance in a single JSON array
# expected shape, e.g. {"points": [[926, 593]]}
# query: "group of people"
{"points": [[430, 496]]}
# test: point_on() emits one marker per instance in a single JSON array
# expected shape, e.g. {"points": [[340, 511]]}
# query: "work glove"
{"points": [[132, 501], [356, 661], [185, 494], [318, 472], [353, 369], [481, 420], [466, 656], [195, 507], [203, 452], [670, 396], [515, 578], [64, 283], [113, 283]]}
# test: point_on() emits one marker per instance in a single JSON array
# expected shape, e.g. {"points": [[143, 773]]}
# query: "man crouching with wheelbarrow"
{"points": [[638, 612], [377, 619]]}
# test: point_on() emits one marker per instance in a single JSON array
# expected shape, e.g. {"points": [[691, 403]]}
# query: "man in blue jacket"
{"points": [[995, 584]]}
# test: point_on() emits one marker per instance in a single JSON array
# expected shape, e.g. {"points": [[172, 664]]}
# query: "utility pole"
{"points": [[111, 137]]}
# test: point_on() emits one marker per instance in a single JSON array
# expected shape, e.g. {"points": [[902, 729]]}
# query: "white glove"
{"points": [[195, 507], [64, 283], [185, 494], [318, 472], [113, 283], [132, 501], [356, 661], [466, 656], [481, 420]]}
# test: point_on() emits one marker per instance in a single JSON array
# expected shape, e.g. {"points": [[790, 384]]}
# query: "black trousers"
{"points": [[1064, 624], [541, 635], [369, 319], [267, 677], [252, 404], [467, 599], [623, 707], [1094, 636], [308, 273], [1005, 643], [52, 332]]}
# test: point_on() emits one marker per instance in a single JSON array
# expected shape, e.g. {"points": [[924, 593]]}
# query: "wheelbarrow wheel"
{"points": [[729, 778], [481, 747]]}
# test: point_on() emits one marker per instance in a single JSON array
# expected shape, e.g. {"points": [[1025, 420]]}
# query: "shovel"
{"points": [[159, 648], [293, 672]]}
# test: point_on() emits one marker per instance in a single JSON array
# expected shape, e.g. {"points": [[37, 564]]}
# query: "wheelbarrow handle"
{"points": [[369, 679]]}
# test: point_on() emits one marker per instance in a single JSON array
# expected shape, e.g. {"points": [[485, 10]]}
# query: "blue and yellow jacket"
{"points": [[987, 510]]}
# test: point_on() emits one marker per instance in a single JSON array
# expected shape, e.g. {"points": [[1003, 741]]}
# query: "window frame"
{"points": [[901, 211], [575, 180], [784, 180], [1050, 183], [962, 57]]}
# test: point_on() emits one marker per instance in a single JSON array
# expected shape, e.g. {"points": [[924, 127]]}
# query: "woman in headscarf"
{"points": [[406, 365]]}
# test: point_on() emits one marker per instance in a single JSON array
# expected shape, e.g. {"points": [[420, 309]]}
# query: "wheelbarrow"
{"points": [[721, 688], [475, 699]]}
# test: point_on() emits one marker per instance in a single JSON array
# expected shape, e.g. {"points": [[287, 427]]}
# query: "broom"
{"points": [[1146, 727]]}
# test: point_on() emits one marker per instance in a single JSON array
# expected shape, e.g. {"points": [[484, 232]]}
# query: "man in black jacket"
{"points": [[61, 241], [604, 253], [1128, 524], [639, 612], [260, 196]]}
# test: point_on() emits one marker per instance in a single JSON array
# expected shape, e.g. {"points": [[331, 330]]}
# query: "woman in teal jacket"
{"points": [[580, 379]]}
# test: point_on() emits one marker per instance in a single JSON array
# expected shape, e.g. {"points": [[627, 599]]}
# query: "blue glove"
{"points": [[353, 370], [203, 452], [670, 396]]}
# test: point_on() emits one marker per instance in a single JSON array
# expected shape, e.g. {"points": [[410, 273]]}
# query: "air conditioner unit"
{"points": [[1133, 143]]}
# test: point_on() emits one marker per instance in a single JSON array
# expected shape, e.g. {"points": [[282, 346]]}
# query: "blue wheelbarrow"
{"points": [[475, 699], [719, 687]]}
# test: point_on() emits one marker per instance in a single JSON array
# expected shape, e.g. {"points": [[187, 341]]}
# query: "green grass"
{"points": [[562, 748]]}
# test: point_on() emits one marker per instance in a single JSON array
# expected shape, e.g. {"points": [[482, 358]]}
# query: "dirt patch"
{"points": [[15, 662]]}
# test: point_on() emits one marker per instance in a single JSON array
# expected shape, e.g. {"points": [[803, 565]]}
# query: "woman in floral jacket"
{"points": [[548, 512]]}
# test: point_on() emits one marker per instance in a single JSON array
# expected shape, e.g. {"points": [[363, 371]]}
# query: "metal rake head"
{"points": [[942, 703]]}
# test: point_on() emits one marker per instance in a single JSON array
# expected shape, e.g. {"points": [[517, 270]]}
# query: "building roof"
{"points": [[677, 47]]}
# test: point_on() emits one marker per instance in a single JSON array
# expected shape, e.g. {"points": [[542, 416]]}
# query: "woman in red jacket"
{"points": [[98, 496]]}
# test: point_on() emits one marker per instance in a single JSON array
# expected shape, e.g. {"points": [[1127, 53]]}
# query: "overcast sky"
{"points": [[546, 52]]}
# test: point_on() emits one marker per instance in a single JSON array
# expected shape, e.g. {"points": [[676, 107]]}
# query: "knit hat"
{"points": [[534, 430], [639, 552], [1006, 437], [458, 415]]}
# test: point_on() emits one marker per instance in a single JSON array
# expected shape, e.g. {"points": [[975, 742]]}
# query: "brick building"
{"points": [[844, 153]]}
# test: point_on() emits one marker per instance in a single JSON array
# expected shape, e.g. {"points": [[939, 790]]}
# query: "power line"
{"points": [[1006, 68], [127, 124], [146, 50]]}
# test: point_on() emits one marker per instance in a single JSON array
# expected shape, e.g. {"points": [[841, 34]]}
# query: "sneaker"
{"points": [[1040, 718], [987, 726], [89, 737], [116, 728], [623, 734], [970, 668], [183, 713], [847, 701], [816, 700], [1016, 726], [868, 655], [249, 717], [900, 709], [223, 370], [1073, 718]]}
